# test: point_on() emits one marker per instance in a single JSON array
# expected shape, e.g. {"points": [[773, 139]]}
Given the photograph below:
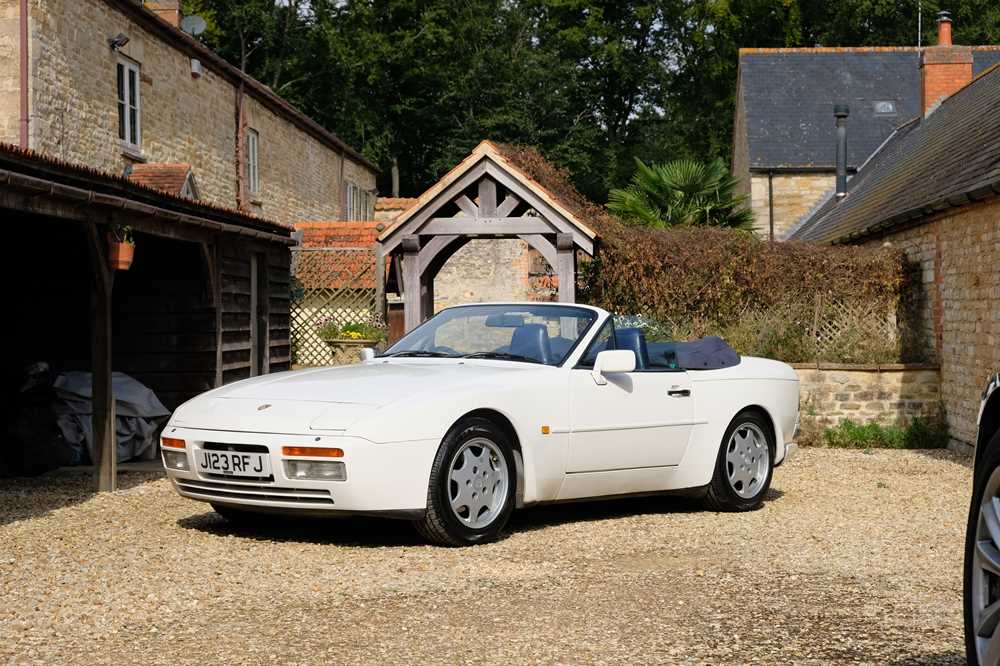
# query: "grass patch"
{"points": [[919, 433]]}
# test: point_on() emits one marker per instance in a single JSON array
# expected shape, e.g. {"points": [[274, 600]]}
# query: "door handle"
{"points": [[679, 393]]}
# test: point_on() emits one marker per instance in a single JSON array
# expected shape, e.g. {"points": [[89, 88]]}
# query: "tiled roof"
{"points": [[86, 178], [787, 96], [164, 176], [394, 203], [349, 261], [950, 158]]}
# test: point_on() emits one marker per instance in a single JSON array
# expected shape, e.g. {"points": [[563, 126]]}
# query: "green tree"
{"points": [[681, 193]]}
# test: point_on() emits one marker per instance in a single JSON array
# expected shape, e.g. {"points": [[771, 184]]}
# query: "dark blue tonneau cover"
{"points": [[709, 353]]}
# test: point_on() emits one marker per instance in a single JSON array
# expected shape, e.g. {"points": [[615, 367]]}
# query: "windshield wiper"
{"points": [[503, 356], [418, 354]]}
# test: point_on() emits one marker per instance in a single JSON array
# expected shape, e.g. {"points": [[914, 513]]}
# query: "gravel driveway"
{"points": [[855, 558]]}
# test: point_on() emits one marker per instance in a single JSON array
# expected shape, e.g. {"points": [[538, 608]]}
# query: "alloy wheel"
{"points": [[748, 460], [986, 575], [477, 482]]}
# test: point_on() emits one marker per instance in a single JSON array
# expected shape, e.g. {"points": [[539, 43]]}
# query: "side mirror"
{"points": [[367, 354], [610, 362]]}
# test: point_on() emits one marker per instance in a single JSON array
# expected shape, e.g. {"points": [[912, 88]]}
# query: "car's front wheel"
{"points": [[472, 485], [744, 466], [982, 561]]}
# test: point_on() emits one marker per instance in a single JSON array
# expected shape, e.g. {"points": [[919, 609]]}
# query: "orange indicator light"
{"points": [[172, 443], [312, 452], [546, 430]]}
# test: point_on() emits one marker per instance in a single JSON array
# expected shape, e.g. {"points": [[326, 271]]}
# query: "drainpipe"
{"points": [[24, 74], [840, 112], [770, 204]]}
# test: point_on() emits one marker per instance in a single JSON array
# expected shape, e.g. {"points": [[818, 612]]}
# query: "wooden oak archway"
{"points": [[486, 196]]}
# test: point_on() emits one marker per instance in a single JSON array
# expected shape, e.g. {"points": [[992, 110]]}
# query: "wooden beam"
{"points": [[487, 197], [544, 247], [380, 304], [550, 214], [412, 315], [432, 248], [566, 267], [102, 394], [486, 226], [510, 202], [466, 205], [216, 262], [440, 201]]}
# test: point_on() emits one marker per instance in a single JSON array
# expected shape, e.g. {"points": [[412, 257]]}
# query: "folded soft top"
{"points": [[710, 353]]}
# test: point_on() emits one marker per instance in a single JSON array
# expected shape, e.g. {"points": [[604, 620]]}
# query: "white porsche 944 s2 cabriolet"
{"points": [[484, 408]]}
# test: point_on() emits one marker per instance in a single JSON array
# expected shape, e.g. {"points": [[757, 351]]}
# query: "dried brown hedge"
{"points": [[717, 274], [768, 298]]}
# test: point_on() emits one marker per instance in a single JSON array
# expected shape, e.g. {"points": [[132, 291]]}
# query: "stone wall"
{"points": [[297, 172], [9, 78], [494, 270], [795, 194], [886, 394], [183, 118], [955, 258]]}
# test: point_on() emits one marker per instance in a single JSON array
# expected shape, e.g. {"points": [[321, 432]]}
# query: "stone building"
{"points": [[116, 125], [784, 140], [112, 84], [933, 190]]}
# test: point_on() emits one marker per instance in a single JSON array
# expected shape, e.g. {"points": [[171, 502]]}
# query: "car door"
{"points": [[637, 420]]}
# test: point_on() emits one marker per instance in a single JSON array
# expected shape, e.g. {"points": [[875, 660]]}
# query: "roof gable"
{"points": [[173, 178], [949, 158], [487, 157], [786, 97]]}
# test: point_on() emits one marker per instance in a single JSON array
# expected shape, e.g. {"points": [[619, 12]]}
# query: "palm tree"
{"points": [[681, 193]]}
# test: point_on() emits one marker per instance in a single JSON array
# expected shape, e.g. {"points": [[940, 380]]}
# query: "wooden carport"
{"points": [[486, 196], [235, 322]]}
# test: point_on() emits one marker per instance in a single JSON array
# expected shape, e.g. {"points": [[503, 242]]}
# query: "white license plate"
{"points": [[233, 463]]}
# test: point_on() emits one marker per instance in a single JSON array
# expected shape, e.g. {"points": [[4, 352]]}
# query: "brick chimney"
{"points": [[168, 10], [946, 67]]}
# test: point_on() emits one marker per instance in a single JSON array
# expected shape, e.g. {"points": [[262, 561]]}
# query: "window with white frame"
{"points": [[253, 163], [128, 103]]}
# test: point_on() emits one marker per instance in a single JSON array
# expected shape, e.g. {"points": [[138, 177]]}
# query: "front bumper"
{"points": [[382, 479]]}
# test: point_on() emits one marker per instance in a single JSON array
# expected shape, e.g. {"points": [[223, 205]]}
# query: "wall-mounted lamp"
{"points": [[118, 41]]}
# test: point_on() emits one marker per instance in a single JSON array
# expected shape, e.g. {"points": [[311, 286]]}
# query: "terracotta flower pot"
{"points": [[120, 254]]}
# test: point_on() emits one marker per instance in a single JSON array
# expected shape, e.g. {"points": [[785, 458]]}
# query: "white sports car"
{"points": [[481, 409]]}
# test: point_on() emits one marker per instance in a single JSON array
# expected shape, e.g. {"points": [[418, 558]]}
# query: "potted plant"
{"points": [[346, 341], [121, 248]]}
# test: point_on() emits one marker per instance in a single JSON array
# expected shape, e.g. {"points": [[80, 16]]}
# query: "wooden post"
{"points": [[412, 296], [380, 303], [102, 395], [566, 268]]}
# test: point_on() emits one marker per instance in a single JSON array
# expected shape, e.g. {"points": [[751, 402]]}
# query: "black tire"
{"points": [[720, 495], [989, 461], [440, 525]]}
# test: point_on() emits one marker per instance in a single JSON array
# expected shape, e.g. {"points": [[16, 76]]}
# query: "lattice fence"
{"points": [[329, 284]]}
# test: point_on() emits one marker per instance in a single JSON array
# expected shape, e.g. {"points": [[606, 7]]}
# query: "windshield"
{"points": [[527, 333]]}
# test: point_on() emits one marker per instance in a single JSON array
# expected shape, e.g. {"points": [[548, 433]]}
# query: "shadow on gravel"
{"points": [[22, 498], [944, 455], [951, 658], [382, 532], [540, 517], [352, 531]]}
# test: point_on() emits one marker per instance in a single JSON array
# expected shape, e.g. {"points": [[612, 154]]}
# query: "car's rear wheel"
{"points": [[744, 466], [982, 561], [470, 495]]}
